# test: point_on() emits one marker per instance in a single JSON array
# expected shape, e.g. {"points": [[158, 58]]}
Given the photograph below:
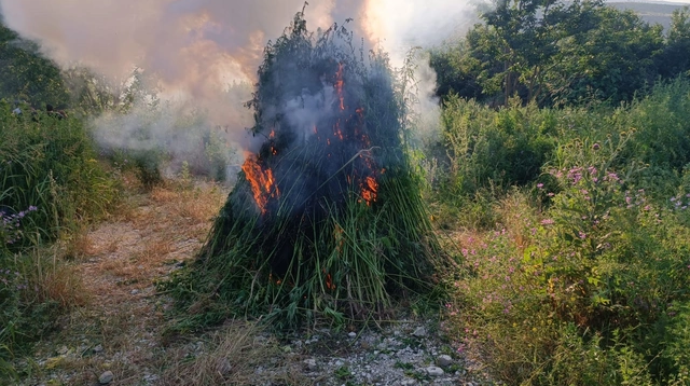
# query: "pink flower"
{"points": [[547, 221]]}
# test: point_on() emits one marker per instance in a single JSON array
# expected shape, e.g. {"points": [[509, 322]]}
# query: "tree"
{"points": [[676, 57], [554, 52], [25, 74]]}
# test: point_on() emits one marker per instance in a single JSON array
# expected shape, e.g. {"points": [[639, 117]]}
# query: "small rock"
{"points": [[408, 382], [224, 367], [310, 365], [434, 371], [352, 335], [134, 291], [150, 378], [444, 361], [63, 350], [98, 349], [420, 332], [105, 378]]}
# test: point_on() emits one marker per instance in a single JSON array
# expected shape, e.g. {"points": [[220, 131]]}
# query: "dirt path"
{"points": [[120, 327]]}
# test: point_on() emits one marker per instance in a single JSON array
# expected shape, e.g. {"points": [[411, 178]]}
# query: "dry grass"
{"points": [[232, 357], [517, 220], [78, 246], [56, 281], [110, 287]]}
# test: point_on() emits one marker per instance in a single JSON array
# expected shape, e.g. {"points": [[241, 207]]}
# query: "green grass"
{"points": [[51, 185]]}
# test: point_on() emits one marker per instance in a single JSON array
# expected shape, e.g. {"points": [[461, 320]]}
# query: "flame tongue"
{"points": [[369, 190], [339, 83], [262, 182]]}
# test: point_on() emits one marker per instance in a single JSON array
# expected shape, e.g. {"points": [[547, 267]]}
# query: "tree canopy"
{"points": [[556, 52]]}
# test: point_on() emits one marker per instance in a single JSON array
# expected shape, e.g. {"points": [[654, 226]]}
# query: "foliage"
{"points": [[586, 281], [559, 53], [676, 55], [26, 75], [499, 149], [50, 185], [49, 163]]}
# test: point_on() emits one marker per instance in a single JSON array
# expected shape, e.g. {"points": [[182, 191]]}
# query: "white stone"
{"points": [[444, 361], [434, 371], [105, 378]]}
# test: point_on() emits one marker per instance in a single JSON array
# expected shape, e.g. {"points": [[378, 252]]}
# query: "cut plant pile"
{"points": [[326, 222]]}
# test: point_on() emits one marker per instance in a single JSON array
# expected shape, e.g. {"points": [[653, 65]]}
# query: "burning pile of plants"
{"points": [[326, 219]]}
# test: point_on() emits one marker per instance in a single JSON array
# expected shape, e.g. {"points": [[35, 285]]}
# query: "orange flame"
{"points": [[370, 189], [339, 85], [329, 282], [262, 182], [338, 132]]}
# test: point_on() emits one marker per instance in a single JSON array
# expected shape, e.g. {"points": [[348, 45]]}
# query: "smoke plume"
{"points": [[193, 51]]}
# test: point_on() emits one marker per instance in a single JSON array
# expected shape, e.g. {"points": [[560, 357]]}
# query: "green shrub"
{"points": [[50, 164], [660, 126], [485, 147], [588, 299], [596, 290], [50, 184]]}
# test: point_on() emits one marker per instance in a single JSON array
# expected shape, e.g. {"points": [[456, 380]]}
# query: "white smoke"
{"points": [[399, 26], [193, 50]]}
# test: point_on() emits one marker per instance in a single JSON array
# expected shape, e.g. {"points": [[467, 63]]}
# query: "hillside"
{"points": [[651, 12]]}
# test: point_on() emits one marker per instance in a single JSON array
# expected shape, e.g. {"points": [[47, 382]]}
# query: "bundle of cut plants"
{"points": [[326, 219]]}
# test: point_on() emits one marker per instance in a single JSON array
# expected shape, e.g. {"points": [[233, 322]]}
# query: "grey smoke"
{"points": [[193, 50]]}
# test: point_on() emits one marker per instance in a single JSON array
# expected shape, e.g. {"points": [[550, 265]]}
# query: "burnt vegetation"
{"points": [[326, 220]]}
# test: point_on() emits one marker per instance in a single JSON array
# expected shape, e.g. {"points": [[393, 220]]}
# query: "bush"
{"points": [[50, 184], [50, 164], [501, 148], [586, 281], [597, 279]]}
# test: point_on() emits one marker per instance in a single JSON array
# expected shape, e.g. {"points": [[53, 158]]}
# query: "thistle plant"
{"points": [[10, 225]]}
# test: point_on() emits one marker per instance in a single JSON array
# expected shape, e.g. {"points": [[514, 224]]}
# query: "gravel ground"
{"points": [[405, 353]]}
